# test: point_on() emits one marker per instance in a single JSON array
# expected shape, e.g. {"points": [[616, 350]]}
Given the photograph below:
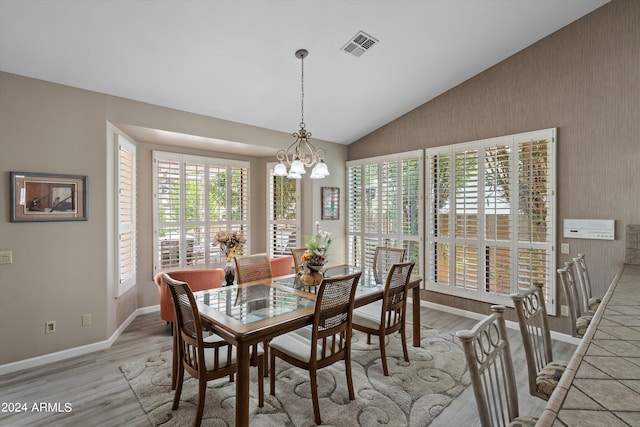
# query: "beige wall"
{"points": [[59, 269], [584, 80]]}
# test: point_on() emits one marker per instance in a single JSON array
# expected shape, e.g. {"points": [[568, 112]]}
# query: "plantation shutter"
{"points": [[195, 198], [283, 227], [466, 220], [355, 219], [492, 202], [384, 200], [126, 211]]}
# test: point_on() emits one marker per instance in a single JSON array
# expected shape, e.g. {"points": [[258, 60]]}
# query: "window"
{"points": [[126, 213], [384, 200], [283, 212], [195, 197], [491, 217]]}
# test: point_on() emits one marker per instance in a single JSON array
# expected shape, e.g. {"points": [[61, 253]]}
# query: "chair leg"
{"points": [[383, 355], [261, 365], [347, 368], [265, 347], [175, 361], [314, 395], [179, 379], [403, 337], [272, 375], [202, 389]]}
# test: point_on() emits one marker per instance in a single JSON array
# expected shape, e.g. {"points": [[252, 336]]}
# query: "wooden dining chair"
{"points": [[589, 302], [488, 356], [329, 340], [384, 257], [382, 318], [577, 321], [204, 358], [544, 373], [252, 267], [297, 258]]}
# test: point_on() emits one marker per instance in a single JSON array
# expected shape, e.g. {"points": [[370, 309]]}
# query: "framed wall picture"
{"points": [[330, 203], [48, 197]]}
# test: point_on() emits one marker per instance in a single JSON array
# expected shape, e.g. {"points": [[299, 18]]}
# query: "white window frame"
{"points": [[120, 279], [211, 256], [279, 230], [480, 293], [368, 234]]}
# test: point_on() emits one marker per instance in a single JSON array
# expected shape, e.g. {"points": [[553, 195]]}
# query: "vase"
{"points": [[311, 277], [229, 274]]}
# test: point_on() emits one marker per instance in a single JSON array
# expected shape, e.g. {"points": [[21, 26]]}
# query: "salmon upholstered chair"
{"points": [[198, 280], [281, 266]]}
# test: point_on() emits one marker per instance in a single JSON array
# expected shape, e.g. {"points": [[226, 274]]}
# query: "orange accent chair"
{"points": [[198, 280], [281, 266]]}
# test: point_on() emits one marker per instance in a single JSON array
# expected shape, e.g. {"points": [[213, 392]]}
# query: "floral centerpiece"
{"points": [[317, 247], [230, 242], [315, 257]]}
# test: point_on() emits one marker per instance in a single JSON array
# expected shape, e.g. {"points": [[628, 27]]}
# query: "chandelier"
{"points": [[301, 154]]}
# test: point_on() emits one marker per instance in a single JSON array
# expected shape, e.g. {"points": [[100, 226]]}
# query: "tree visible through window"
{"points": [[283, 212], [384, 199], [195, 197], [491, 217]]}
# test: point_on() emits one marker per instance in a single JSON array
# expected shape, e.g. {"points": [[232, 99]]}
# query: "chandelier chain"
{"points": [[302, 93]]}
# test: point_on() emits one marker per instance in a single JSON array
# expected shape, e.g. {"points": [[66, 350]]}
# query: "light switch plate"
{"points": [[564, 248], [6, 257]]}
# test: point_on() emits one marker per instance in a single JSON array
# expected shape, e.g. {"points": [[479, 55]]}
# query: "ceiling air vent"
{"points": [[359, 44]]}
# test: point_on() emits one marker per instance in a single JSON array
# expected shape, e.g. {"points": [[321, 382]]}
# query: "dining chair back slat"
{"points": [[488, 356], [296, 253], [578, 322], [384, 258], [252, 267], [589, 302], [543, 372]]}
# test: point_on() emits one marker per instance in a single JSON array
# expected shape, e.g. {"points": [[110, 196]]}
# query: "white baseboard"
{"points": [[510, 324], [76, 351]]}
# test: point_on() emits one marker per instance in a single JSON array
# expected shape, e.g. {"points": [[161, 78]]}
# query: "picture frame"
{"points": [[44, 197], [330, 203]]}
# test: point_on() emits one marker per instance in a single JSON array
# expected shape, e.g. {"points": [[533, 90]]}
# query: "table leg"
{"points": [[416, 316], [242, 385]]}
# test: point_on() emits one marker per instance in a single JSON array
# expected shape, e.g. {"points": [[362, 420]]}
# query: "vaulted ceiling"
{"points": [[234, 59]]}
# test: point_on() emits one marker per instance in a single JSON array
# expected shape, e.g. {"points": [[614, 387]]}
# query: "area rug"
{"points": [[413, 394]]}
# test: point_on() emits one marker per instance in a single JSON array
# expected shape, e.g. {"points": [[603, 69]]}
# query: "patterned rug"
{"points": [[412, 395]]}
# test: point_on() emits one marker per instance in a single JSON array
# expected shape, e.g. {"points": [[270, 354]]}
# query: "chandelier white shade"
{"points": [[301, 154]]}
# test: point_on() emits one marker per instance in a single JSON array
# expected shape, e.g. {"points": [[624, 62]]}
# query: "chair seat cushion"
{"points": [[594, 303], [296, 344], [368, 315], [523, 421], [223, 359], [548, 378], [582, 323]]}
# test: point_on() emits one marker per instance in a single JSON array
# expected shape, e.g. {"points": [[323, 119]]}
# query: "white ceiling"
{"points": [[234, 59]]}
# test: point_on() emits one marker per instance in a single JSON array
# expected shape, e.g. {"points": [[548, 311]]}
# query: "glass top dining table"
{"points": [[255, 312]]}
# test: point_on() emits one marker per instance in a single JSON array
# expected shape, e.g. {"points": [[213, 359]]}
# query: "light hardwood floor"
{"points": [[100, 396]]}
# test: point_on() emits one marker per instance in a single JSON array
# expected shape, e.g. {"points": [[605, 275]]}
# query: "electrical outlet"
{"points": [[564, 248], [49, 326], [86, 319], [564, 310]]}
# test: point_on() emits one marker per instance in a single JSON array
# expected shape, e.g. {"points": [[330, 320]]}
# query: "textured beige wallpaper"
{"points": [[584, 80]]}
